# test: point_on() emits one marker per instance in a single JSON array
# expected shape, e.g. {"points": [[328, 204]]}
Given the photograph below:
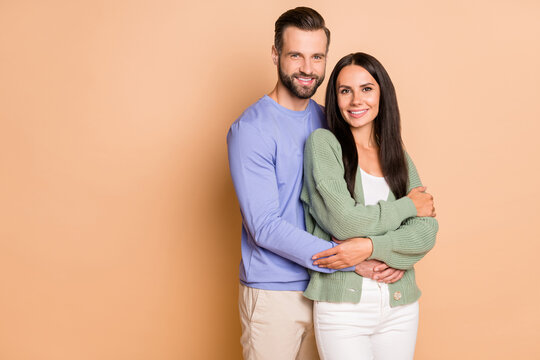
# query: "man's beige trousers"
{"points": [[276, 325]]}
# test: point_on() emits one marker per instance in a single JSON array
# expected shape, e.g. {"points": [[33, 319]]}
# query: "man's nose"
{"points": [[306, 67]]}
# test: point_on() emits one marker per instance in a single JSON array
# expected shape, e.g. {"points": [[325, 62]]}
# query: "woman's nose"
{"points": [[357, 98]]}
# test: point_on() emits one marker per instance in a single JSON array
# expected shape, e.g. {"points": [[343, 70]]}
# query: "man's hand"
{"points": [[348, 253], [379, 271], [422, 201], [367, 268]]}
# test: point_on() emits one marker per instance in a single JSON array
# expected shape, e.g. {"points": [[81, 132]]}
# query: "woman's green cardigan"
{"points": [[399, 237]]}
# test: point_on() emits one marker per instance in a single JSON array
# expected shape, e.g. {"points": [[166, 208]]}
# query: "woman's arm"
{"points": [[400, 248], [403, 247], [329, 201], [391, 248]]}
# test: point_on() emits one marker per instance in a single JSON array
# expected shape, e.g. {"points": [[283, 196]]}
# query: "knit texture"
{"points": [[400, 238]]}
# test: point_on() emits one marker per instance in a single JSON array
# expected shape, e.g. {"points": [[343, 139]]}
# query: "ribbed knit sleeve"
{"points": [[403, 247], [330, 203]]}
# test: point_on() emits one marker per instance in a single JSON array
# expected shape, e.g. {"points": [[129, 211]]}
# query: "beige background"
{"points": [[119, 226]]}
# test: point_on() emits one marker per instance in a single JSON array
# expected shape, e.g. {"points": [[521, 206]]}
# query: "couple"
{"points": [[331, 191]]}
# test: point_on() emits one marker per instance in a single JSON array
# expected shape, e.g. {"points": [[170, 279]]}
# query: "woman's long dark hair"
{"points": [[387, 126]]}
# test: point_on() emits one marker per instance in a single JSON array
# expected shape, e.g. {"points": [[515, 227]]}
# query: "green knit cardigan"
{"points": [[399, 237]]}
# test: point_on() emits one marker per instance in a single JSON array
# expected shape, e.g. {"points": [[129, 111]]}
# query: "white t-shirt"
{"points": [[375, 188]]}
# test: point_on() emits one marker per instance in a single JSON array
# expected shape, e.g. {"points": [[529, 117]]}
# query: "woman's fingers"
{"points": [[337, 241], [325, 253], [331, 263]]}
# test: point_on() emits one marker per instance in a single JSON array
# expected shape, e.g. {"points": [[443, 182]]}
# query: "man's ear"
{"points": [[275, 55]]}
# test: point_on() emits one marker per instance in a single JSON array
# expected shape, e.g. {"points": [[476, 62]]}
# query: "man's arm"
{"points": [[253, 173]]}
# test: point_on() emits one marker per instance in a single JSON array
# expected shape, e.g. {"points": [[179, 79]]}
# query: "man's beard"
{"points": [[302, 92]]}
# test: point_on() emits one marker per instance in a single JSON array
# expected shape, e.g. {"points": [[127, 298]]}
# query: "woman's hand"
{"points": [[379, 271], [348, 253], [422, 201]]}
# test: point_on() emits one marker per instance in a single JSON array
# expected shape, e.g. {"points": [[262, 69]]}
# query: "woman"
{"points": [[352, 172]]}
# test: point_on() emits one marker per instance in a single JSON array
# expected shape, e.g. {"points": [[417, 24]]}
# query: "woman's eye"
{"points": [[345, 91], [367, 88]]}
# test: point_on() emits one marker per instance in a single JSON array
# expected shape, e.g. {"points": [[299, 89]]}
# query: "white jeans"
{"points": [[368, 330]]}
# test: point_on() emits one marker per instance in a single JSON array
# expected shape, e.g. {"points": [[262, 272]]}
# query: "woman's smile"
{"points": [[357, 113]]}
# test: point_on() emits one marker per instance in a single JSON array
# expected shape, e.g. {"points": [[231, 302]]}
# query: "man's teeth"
{"points": [[304, 79]]}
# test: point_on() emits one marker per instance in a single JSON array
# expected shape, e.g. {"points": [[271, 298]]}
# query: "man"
{"points": [[265, 147]]}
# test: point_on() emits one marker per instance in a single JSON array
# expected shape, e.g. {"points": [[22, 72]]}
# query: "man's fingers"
{"points": [[380, 267], [381, 276], [389, 275], [395, 276]]}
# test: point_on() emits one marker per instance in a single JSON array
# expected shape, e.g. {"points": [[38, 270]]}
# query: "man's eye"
{"points": [[317, 57], [294, 56]]}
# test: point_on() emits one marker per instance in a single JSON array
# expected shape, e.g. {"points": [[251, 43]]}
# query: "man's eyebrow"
{"points": [[294, 52]]}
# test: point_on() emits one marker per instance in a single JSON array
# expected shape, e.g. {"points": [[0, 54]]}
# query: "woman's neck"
{"points": [[368, 150], [364, 136]]}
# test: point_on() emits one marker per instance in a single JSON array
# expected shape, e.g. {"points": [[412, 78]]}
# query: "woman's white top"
{"points": [[375, 188]]}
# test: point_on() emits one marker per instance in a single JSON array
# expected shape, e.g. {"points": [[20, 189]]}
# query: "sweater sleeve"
{"points": [[329, 201], [254, 177], [403, 247]]}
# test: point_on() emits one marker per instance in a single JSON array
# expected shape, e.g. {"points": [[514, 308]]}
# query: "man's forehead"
{"points": [[297, 39]]}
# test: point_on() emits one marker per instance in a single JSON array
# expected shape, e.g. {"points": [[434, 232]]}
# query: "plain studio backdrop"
{"points": [[119, 225]]}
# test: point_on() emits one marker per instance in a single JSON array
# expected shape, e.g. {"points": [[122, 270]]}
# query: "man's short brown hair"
{"points": [[303, 18]]}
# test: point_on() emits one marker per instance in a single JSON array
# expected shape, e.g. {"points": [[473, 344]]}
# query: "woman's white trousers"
{"points": [[369, 330]]}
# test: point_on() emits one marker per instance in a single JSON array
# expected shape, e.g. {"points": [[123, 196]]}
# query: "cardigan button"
{"points": [[397, 295]]}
